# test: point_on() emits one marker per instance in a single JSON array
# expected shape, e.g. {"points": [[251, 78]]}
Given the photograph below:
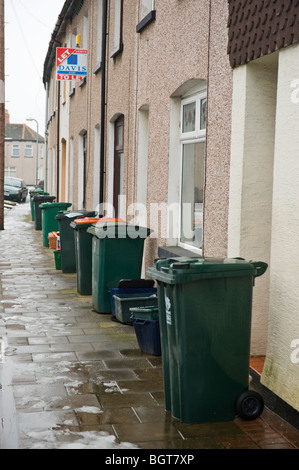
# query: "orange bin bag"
{"points": [[111, 219], [94, 220], [87, 220], [107, 220]]}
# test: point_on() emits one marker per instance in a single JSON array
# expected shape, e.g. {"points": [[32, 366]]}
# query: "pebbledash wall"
{"points": [[177, 53], [158, 63], [263, 202]]}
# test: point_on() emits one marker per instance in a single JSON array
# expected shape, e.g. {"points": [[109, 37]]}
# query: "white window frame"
{"points": [[146, 6], [147, 14], [15, 147], [198, 133], [117, 41], [28, 147], [192, 137], [96, 167], [99, 34], [117, 25], [10, 171], [85, 31]]}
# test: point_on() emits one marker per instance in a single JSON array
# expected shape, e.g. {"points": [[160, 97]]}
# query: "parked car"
{"points": [[15, 189]]}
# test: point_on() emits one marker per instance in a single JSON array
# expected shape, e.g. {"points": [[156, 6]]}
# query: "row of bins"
{"points": [[107, 256], [114, 249], [198, 318], [103, 249]]}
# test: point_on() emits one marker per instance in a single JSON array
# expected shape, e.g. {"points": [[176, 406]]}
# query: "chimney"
{"points": [[7, 117]]}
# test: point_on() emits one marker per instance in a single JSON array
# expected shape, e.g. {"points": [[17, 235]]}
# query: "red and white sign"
{"points": [[71, 63]]}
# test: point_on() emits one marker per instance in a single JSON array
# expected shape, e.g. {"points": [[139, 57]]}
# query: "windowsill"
{"points": [[176, 251], [97, 68], [82, 82], [72, 92], [151, 16], [116, 51]]}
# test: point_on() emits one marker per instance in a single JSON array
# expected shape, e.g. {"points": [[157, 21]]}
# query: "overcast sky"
{"points": [[28, 29]]}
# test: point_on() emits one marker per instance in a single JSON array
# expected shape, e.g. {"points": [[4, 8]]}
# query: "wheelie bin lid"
{"points": [[183, 269], [50, 205], [74, 214], [83, 222], [43, 197], [108, 227]]}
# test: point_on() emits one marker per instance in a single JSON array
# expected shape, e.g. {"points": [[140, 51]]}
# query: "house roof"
{"points": [[260, 27], [21, 132]]}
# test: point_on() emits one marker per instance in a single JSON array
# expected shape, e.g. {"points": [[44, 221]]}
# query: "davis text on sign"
{"points": [[71, 63]]}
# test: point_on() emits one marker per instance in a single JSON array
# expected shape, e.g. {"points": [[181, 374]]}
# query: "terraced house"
{"points": [[187, 123], [24, 152]]}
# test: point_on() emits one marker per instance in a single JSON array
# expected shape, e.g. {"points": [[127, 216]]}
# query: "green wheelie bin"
{"points": [[205, 309], [37, 201], [32, 193], [117, 252], [83, 253], [67, 240], [49, 222]]}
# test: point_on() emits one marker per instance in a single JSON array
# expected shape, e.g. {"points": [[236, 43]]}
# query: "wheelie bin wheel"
{"points": [[249, 405]]}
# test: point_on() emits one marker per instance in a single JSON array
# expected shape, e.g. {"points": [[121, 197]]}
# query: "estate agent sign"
{"points": [[71, 63]]}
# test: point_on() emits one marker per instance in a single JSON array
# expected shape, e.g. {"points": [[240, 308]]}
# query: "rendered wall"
{"points": [[281, 371], [250, 201], [26, 166]]}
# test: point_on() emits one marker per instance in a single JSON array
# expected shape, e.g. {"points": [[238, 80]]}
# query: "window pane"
{"points": [[120, 136], [192, 193], [121, 172], [10, 171], [189, 116], [99, 31], [117, 23], [203, 113], [28, 151], [146, 7], [85, 31], [15, 151]]}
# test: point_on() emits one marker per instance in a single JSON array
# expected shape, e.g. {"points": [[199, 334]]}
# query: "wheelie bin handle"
{"points": [[260, 267]]}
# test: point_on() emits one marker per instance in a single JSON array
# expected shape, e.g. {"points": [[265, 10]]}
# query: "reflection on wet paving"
{"points": [[78, 379]]}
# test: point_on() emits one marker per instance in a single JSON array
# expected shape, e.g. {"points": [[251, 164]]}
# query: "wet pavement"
{"points": [[71, 378]]}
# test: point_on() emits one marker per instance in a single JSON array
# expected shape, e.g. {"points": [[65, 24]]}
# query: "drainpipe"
{"points": [[57, 142], [46, 139], [2, 113], [103, 104], [207, 120]]}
